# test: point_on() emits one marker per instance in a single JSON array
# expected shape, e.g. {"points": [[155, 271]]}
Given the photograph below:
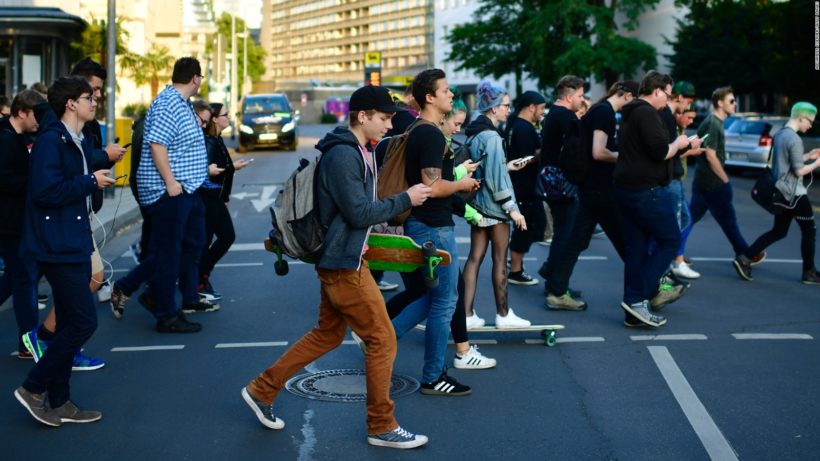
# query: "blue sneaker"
{"points": [[83, 362], [38, 347], [34, 345]]}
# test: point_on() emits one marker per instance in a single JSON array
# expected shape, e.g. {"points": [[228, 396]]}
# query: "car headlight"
{"points": [[245, 129], [288, 127]]}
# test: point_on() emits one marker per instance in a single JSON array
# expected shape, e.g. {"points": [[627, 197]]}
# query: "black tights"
{"points": [[480, 238], [804, 215], [414, 289]]}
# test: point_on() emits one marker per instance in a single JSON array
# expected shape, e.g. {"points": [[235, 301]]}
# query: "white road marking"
{"points": [[308, 445], [173, 347], [247, 247], [707, 431], [771, 336], [580, 339], [265, 200], [260, 344], [693, 337]]}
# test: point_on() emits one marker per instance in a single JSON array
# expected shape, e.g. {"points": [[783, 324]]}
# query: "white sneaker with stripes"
{"points": [[473, 360]]}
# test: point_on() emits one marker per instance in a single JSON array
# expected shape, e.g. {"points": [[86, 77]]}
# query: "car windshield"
{"points": [[749, 127], [265, 105]]}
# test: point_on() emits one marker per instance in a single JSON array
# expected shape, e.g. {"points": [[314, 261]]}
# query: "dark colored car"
{"points": [[267, 120]]}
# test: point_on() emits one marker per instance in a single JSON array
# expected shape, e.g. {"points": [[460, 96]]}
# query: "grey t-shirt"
{"points": [[787, 153]]}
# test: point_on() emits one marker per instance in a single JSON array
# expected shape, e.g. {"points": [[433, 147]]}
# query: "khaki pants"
{"points": [[349, 298]]}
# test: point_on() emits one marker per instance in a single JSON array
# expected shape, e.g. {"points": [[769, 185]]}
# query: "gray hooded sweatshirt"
{"points": [[346, 197]]}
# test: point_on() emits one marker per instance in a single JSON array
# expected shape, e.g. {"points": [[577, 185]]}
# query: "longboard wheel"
{"points": [[428, 249], [281, 267], [549, 338]]}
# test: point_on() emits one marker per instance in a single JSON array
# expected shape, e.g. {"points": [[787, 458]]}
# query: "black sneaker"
{"points": [[178, 324], [206, 290], [743, 267], [521, 278], [148, 302], [118, 300], [263, 412], [810, 277], [445, 385], [202, 306]]}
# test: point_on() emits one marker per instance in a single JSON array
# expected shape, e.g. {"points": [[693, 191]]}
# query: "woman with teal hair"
{"points": [[789, 165]]}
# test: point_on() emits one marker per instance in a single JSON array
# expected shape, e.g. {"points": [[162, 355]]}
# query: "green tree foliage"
{"points": [[150, 69], [256, 53], [759, 47], [94, 41], [551, 38]]}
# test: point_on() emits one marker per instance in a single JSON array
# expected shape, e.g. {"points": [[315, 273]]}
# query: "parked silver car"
{"points": [[749, 140]]}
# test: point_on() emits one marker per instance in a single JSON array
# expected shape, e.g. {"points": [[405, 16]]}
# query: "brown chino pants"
{"points": [[349, 297]]}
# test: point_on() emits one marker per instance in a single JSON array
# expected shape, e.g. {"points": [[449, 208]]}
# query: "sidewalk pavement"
{"points": [[119, 210]]}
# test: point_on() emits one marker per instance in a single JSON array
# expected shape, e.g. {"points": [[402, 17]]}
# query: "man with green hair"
{"points": [[789, 165]]}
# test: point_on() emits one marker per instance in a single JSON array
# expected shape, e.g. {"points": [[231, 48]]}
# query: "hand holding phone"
{"points": [[524, 160], [126, 146], [120, 177]]}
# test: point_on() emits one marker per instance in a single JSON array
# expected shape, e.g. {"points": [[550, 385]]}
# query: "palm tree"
{"points": [[151, 68]]}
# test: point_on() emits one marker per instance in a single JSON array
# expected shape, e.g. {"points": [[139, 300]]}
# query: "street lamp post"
{"points": [[111, 62], [234, 65]]}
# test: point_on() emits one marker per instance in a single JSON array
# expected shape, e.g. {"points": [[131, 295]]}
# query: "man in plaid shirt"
{"points": [[173, 166]]}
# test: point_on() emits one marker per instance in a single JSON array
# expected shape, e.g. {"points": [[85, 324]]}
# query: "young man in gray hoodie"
{"points": [[347, 204]]}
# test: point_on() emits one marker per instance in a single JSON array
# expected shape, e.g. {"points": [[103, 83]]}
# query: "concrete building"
{"points": [[325, 41]]}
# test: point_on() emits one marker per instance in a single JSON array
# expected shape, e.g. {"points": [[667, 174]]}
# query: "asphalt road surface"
{"points": [[733, 375]]}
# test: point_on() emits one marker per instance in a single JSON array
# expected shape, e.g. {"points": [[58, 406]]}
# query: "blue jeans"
{"points": [[176, 241], [437, 304], [648, 214], [19, 281], [76, 321], [719, 203]]}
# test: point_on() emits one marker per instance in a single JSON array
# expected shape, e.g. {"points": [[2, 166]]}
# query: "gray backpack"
{"points": [[296, 227]]}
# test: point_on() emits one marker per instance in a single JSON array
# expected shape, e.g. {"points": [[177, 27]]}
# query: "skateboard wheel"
{"points": [[428, 249], [430, 283], [281, 267], [550, 339]]}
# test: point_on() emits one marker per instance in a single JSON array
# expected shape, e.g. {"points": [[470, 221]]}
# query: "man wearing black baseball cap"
{"points": [[350, 297]]}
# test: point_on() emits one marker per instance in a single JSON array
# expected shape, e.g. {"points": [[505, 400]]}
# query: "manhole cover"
{"points": [[345, 386]]}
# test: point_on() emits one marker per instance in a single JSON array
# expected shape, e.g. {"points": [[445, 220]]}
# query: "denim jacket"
{"points": [[495, 199]]}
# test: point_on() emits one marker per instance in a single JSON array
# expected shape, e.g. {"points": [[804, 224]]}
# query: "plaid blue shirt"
{"points": [[171, 122]]}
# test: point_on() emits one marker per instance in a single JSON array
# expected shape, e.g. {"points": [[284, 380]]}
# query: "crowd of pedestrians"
{"points": [[54, 167]]}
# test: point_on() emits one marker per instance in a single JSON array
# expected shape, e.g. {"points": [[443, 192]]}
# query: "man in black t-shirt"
{"points": [[432, 221], [597, 204], [557, 123], [641, 174], [524, 143]]}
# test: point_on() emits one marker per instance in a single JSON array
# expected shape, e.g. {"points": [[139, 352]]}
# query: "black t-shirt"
{"points": [[672, 127], [425, 149], [523, 141], [600, 117], [556, 125]]}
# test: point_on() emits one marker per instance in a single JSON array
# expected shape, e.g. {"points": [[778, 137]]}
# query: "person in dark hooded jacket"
{"points": [[347, 205], [57, 234]]}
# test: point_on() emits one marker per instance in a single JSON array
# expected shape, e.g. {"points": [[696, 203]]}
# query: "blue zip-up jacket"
{"points": [[56, 227], [346, 189], [496, 196]]}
